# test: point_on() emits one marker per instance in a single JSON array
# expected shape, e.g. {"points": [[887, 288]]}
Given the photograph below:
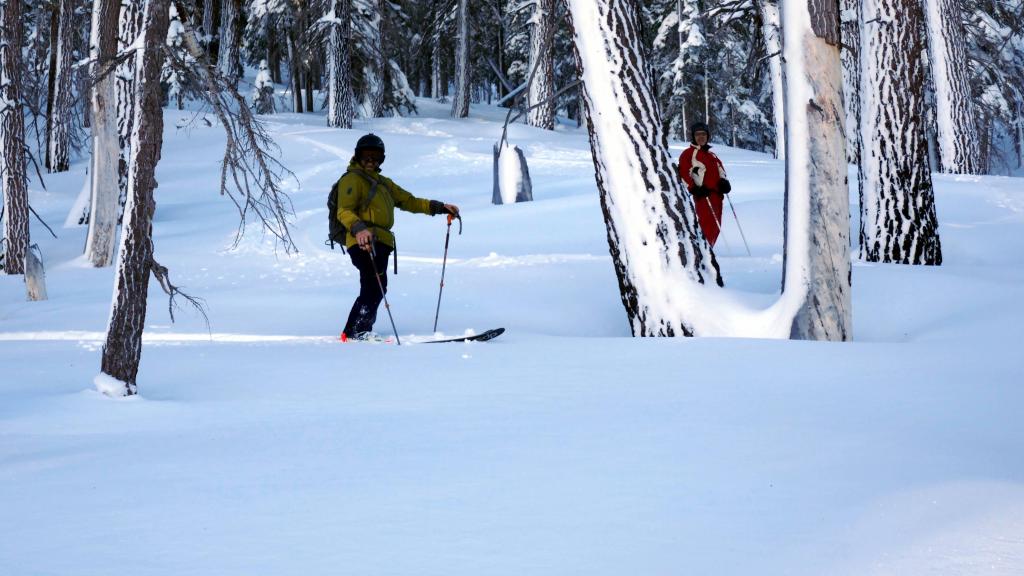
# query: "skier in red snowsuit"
{"points": [[705, 179]]}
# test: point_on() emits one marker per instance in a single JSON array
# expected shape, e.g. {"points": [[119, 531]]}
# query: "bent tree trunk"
{"points": [[99, 244], [12, 140], [817, 254], [122, 350], [897, 205], [659, 257]]}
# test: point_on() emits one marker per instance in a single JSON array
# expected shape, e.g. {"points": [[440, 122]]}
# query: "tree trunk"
{"points": [[817, 253], [460, 101], [340, 111], [955, 115], [12, 140], [436, 81], [62, 101], [103, 214], [129, 25], [122, 350], [659, 256], [773, 47], [228, 56], [293, 68], [542, 57], [851, 53], [375, 70], [897, 204]]}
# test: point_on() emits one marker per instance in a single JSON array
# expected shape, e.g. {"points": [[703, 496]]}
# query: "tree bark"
{"points": [[460, 101], [128, 28], [340, 110], [542, 56], [773, 46], [955, 115], [12, 140], [897, 204], [851, 53], [122, 350], [229, 61], [659, 256], [817, 267], [61, 102], [103, 215]]}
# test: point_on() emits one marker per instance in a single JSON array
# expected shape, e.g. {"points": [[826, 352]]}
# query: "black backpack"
{"points": [[336, 230]]}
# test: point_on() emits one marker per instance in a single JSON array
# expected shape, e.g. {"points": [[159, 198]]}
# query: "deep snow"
{"points": [[563, 447]]}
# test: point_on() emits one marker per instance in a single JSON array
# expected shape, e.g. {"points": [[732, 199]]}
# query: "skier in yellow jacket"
{"points": [[366, 206]]}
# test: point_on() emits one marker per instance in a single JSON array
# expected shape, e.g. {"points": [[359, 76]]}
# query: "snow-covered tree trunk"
{"points": [[850, 31], [340, 110], [773, 47], [122, 350], [542, 57], [128, 29], [898, 220], [229, 61], [59, 132], [659, 256], [460, 101], [436, 79], [817, 252], [103, 214], [209, 25], [263, 91], [955, 115], [13, 177], [375, 69]]}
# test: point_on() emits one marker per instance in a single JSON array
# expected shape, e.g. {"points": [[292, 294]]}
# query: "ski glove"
{"points": [[724, 187], [700, 192], [437, 207]]}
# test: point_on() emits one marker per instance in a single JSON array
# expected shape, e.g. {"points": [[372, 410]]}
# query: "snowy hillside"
{"points": [[564, 447]]}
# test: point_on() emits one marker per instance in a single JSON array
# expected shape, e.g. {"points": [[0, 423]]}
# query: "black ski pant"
{"points": [[364, 309]]}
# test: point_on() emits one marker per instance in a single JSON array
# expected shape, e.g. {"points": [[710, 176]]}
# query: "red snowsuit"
{"points": [[698, 166]]}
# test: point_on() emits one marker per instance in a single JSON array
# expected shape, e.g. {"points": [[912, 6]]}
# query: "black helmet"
{"points": [[699, 127], [369, 142]]}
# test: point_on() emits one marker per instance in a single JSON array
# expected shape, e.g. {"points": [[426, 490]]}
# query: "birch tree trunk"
{"points": [[817, 253], [13, 177], [460, 101], [542, 107], [773, 47], [122, 350], [103, 214], [897, 204], [340, 110], [59, 135], [954, 108], [129, 24], [660, 258], [850, 31]]}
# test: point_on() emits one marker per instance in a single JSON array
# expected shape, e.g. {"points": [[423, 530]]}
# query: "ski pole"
{"points": [[737, 218], [718, 224], [384, 294], [444, 264]]}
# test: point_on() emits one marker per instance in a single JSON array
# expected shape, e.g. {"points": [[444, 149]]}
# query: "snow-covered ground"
{"points": [[563, 447]]}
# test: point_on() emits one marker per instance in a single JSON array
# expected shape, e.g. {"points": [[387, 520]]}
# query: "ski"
{"points": [[378, 339], [481, 337]]}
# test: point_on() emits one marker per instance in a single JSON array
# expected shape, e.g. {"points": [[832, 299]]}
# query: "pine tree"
{"points": [[122, 349], [898, 219], [58, 135], [13, 176], [103, 215], [652, 230], [340, 110], [229, 61], [460, 101], [542, 87], [850, 30], [817, 254]]}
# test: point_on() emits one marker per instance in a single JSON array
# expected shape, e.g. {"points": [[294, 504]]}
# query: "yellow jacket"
{"points": [[379, 214]]}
